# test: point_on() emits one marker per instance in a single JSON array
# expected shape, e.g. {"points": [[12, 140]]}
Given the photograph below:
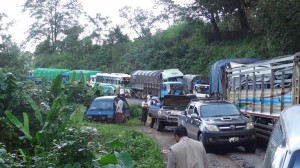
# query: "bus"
{"points": [[119, 80]]}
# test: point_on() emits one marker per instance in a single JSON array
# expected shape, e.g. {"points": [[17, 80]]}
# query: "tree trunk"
{"points": [[214, 23], [242, 16]]}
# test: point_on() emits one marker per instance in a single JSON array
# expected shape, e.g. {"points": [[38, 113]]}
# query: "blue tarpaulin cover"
{"points": [[216, 70]]}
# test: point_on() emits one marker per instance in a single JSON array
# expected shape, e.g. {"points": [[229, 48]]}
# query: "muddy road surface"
{"points": [[219, 158]]}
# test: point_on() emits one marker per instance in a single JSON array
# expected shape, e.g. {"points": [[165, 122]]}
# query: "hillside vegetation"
{"points": [[199, 34], [44, 125]]}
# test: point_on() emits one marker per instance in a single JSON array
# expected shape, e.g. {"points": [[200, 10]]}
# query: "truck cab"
{"points": [[218, 123], [201, 90], [170, 108]]}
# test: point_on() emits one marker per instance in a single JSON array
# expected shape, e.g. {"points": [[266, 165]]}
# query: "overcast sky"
{"points": [[108, 8]]}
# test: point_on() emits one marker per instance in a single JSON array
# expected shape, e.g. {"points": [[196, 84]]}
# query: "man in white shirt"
{"points": [[186, 153], [119, 110], [145, 108]]}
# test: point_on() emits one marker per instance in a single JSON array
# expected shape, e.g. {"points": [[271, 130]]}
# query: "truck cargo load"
{"points": [[262, 89], [155, 82], [48, 73]]}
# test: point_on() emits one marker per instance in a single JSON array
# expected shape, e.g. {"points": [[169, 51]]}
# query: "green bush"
{"points": [[144, 150], [136, 111], [75, 146]]}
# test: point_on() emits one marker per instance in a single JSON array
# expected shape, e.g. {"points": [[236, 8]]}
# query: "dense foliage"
{"points": [[199, 33], [42, 124]]}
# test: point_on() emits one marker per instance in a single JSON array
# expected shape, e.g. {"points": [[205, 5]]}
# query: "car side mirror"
{"points": [[194, 116], [185, 112], [158, 104]]}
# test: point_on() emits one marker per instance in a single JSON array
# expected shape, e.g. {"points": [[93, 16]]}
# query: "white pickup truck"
{"points": [[170, 108]]}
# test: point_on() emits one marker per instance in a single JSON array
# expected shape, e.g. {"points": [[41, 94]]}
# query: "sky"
{"points": [[110, 8]]}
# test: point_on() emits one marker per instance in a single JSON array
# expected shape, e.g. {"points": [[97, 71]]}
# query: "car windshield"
{"points": [[216, 110], [102, 104]]}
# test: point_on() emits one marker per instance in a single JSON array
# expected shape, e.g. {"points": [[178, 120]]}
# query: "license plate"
{"points": [[234, 139]]}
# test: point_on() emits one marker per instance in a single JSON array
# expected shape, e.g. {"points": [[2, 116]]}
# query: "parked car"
{"points": [[104, 109], [216, 123], [283, 149]]}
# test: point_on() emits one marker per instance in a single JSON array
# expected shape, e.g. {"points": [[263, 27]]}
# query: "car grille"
{"points": [[232, 127], [173, 118]]}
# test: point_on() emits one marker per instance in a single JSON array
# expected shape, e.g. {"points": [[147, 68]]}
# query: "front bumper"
{"points": [[104, 118], [170, 120], [234, 138]]}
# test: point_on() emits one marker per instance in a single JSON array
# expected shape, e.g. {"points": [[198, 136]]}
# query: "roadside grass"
{"points": [[143, 149]]}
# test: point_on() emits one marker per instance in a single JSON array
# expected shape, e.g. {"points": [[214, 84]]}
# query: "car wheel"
{"points": [[250, 148], [160, 126], [207, 149]]}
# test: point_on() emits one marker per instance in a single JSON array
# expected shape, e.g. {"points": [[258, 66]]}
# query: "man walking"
{"points": [[186, 153]]}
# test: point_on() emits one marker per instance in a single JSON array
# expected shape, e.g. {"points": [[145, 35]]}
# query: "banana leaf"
{"points": [[26, 122], [35, 107], [78, 114], [13, 119]]}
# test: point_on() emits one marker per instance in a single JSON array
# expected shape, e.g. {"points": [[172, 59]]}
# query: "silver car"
{"points": [[283, 150]]}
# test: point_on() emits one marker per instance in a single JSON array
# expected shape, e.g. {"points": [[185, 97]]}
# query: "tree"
{"points": [[205, 10], [171, 12], [9, 50], [142, 22], [116, 36], [99, 28], [52, 18], [280, 21]]}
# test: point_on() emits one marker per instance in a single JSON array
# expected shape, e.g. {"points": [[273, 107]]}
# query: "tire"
{"points": [[250, 148], [160, 126], [207, 149]]}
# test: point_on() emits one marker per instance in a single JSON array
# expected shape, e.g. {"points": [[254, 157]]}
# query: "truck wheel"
{"points": [[250, 148], [160, 126]]}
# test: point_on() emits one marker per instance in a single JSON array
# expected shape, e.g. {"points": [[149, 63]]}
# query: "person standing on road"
{"points": [[145, 108], [150, 102], [186, 153], [119, 109]]}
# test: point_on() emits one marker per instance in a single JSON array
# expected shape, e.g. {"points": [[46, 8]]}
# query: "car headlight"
{"points": [[212, 128], [250, 125]]}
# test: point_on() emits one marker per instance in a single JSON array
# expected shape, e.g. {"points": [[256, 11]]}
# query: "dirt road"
{"points": [[221, 158]]}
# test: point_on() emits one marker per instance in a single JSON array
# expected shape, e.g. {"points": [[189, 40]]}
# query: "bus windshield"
{"points": [[119, 80]]}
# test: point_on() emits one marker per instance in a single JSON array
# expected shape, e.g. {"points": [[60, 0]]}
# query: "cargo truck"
{"points": [[155, 82], [261, 89], [48, 73]]}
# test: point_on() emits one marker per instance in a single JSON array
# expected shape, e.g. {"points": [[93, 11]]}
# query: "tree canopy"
{"points": [[197, 34]]}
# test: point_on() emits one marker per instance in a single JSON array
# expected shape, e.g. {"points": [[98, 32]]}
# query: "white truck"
{"points": [[261, 89], [197, 85]]}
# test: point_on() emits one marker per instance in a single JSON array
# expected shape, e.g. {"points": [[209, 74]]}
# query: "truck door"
{"points": [[188, 119], [195, 123]]}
